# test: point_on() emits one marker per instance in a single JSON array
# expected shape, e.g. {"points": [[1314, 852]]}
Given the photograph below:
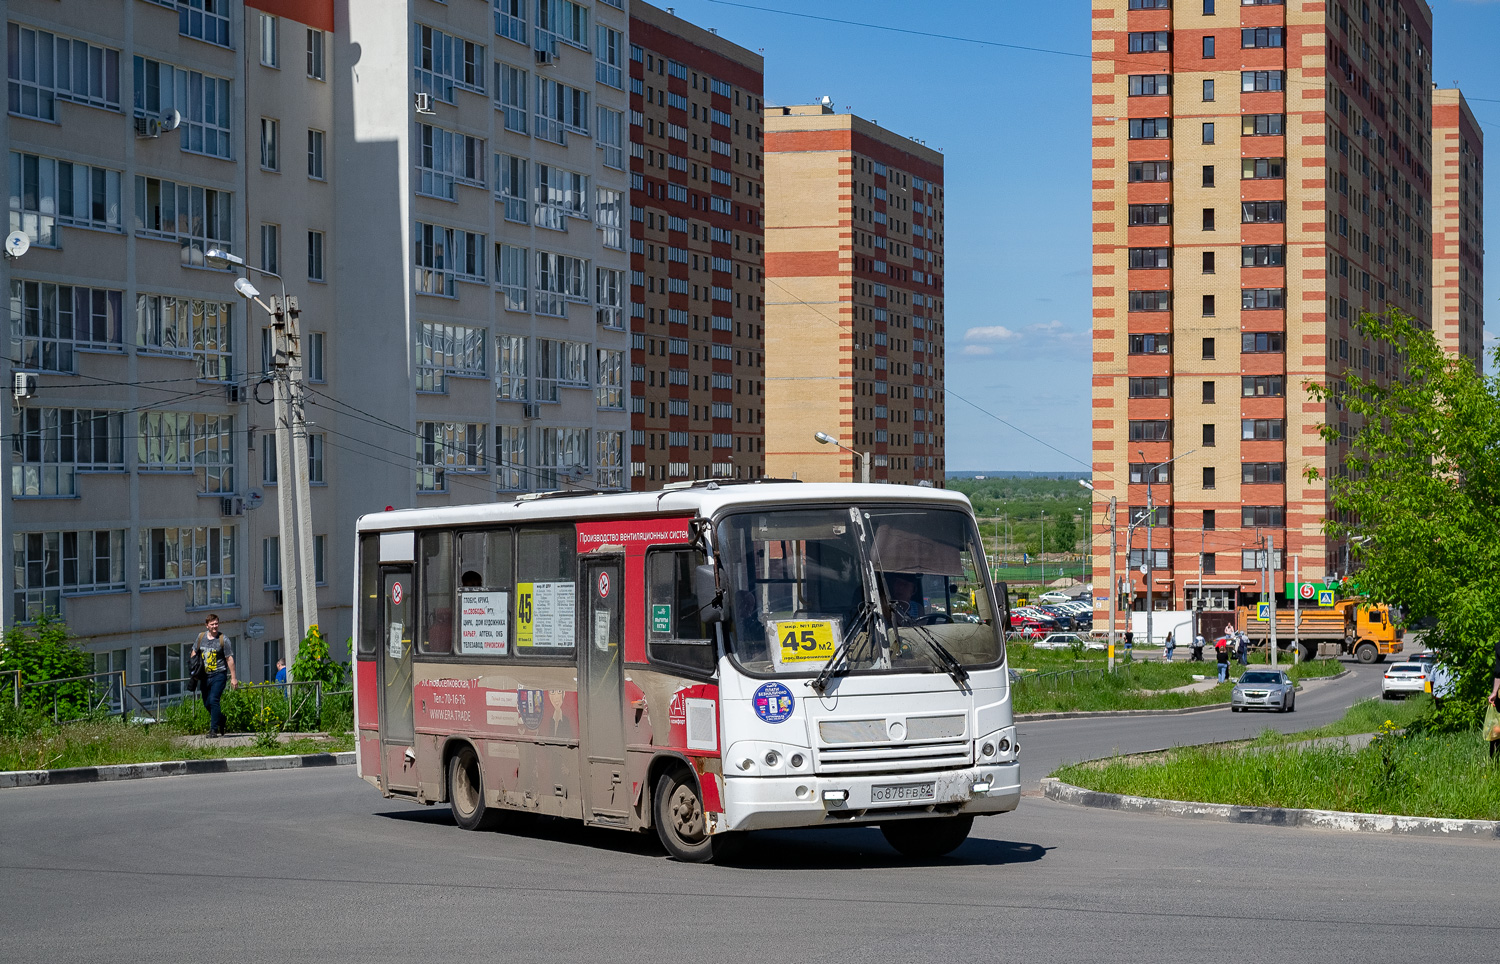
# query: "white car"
{"points": [[1055, 596], [1059, 641], [1403, 679]]}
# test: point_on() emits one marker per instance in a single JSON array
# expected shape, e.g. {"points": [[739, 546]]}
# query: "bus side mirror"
{"points": [[710, 601]]}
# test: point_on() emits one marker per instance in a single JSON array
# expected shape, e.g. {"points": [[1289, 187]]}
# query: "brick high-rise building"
{"points": [[1457, 226], [697, 284], [854, 299], [1262, 173]]}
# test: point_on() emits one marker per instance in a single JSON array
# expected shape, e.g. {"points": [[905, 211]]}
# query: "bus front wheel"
{"points": [[466, 793], [1366, 653], [927, 838], [680, 822]]}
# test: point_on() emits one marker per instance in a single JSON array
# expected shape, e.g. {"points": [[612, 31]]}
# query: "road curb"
{"points": [[172, 768], [1181, 711], [1055, 789]]}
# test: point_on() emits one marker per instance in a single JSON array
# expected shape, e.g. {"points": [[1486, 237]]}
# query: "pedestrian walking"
{"points": [[1129, 643], [281, 677], [1491, 724], [1197, 649], [1221, 654], [218, 664], [1242, 648], [1169, 645]]}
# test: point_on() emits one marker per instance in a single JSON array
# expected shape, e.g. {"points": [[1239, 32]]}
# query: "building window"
{"points": [[1207, 563], [1208, 262], [1208, 349], [315, 54], [313, 358], [315, 256], [270, 564], [197, 217], [1262, 429], [609, 215], [1150, 257], [510, 368], [188, 327], [446, 158], [1149, 171], [442, 63], [1150, 301], [44, 68], [1209, 515], [510, 276], [189, 442], [1263, 473], [561, 452], [1143, 472], [1262, 298], [1160, 558], [1262, 212], [1208, 219], [560, 108], [1151, 431], [199, 559], [270, 41], [49, 323], [448, 447], [1262, 125], [1255, 37], [1260, 341], [1262, 386], [201, 99], [1208, 393], [609, 460], [444, 256], [1160, 516], [609, 298], [609, 137], [444, 350], [1208, 90], [1208, 138], [1262, 255], [1146, 128], [608, 57], [45, 192], [1261, 168], [560, 364], [1252, 516], [1150, 344], [1150, 387], [1208, 306], [1253, 559], [510, 458], [52, 446], [1150, 85], [1149, 214], [1208, 476], [1149, 41], [1261, 80], [315, 445], [315, 155], [510, 19], [609, 387], [49, 566], [1208, 47], [511, 84], [1208, 436], [269, 137], [270, 247]]}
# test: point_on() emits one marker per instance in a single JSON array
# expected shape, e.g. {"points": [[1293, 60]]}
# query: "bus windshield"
{"points": [[801, 588]]}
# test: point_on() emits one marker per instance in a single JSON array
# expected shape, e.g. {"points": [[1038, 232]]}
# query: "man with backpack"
{"points": [[1221, 653], [218, 671]]}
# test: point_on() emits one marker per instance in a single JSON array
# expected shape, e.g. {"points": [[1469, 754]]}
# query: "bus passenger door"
{"points": [[396, 728], [606, 798]]}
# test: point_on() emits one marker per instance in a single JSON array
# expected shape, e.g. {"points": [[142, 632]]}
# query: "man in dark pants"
{"points": [[218, 663], [1221, 654]]}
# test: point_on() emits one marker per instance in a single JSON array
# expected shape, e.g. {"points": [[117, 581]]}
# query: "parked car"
{"points": [[1055, 596], [1260, 689], [1059, 641], [1403, 679]]}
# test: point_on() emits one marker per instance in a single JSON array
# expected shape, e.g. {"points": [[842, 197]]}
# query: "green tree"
{"points": [[44, 651], [1419, 497], [314, 663], [1062, 534]]}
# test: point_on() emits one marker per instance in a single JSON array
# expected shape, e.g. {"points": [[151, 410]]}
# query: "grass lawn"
{"points": [[1061, 683], [1441, 775], [106, 742]]}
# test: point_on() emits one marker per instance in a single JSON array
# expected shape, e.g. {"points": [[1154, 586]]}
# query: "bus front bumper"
{"points": [[766, 803]]}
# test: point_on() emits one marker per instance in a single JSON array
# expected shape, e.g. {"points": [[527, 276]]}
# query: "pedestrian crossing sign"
{"points": [[1325, 597], [1263, 612]]}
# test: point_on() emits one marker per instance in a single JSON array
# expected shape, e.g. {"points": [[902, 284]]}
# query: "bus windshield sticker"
{"points": [[773, 703], [397, 630], [805, 640], [484, 622], [601, 630], [544, 615]]}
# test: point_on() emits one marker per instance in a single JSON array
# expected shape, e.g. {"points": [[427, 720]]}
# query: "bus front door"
{"points": [[606, 797], [396, 729]]}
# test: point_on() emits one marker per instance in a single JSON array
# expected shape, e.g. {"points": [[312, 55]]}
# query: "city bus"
{"points": [[715, 658]]}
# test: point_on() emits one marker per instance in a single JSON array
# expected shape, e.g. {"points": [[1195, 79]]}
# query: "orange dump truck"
{"points": [[1348, 627]]}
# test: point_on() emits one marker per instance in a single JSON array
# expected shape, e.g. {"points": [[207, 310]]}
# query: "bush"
{"points": [[41, 652]]}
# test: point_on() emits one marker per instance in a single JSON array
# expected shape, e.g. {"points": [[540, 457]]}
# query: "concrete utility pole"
{"points": [[306, 539], [1114, 595], [1271, 591], [1296, 609]]}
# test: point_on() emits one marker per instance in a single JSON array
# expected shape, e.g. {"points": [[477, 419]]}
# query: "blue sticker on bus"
{"points": [[773, 703]]}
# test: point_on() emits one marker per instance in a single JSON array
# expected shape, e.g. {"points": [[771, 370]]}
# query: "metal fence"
{"points": [[1051, 682], [108, 694]]}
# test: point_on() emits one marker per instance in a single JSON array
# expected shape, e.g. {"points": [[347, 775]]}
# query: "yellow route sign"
{"points": [[805, 640]]}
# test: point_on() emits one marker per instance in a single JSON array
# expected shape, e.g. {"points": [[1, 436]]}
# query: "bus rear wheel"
{"points": [[680, 822], [927, 838], [466, 793]]}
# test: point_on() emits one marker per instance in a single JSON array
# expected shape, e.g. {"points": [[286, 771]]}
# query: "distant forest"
{"points": [[1018, 504]]}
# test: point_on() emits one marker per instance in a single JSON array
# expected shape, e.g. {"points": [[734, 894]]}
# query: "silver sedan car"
{"points": [[1260, 689]]}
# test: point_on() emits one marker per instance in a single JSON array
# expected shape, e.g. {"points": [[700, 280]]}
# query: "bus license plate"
{"points": [[894, 792]]}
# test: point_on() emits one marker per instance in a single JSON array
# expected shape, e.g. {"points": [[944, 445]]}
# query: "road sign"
{"points": [[1325, 597], [1307, 590], [1263, 612]]}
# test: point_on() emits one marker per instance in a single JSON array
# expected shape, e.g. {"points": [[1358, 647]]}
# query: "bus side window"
{"points": [[675, 636], [435, 557], [545, 605], [482, 560], [371, 631]]}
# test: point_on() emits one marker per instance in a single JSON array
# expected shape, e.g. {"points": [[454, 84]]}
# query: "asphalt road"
{"points": [[315, 866]]}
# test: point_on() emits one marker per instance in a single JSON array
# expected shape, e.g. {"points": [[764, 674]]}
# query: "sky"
{"points": [[1013, 127]]}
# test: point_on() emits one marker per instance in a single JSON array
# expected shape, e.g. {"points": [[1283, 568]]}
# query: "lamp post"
{"points": [[1150, 520], [864, 457], [293, 494], [1113, 597]]}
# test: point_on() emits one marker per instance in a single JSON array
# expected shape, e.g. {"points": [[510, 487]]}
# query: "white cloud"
{"points": [[1053, 325], [991, 333], [978, 350]]}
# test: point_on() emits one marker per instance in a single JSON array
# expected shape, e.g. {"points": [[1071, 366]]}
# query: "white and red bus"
{"points": [[706, 660]]}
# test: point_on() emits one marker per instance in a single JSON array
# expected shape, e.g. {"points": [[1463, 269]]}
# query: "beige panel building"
{"points": [[1458, 226], [1261, 174], [854, 300]]}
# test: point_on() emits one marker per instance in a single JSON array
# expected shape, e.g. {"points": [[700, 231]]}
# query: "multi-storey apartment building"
{"points": [[1262, 173], [854, 296], [1457, 226], [140, 135], [697, 284], [458, 169]]}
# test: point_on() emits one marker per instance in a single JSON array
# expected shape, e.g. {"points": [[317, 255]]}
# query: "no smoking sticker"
{"points": [[603, 585], [396, 593]]}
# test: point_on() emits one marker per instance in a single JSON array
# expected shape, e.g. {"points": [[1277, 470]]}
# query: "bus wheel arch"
{"points": [[463, 787], [677, 813]]}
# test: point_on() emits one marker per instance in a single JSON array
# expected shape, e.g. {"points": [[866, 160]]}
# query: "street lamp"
{"points": [[864, 457], [293, 495], [1113, 595]]}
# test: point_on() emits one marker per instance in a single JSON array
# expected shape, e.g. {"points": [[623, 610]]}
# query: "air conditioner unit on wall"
{"points": [[147, 127], [231, 505], [233, 393], [24, 385], [531, 410]]}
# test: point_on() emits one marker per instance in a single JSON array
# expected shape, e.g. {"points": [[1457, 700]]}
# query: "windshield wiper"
{"points": [[945, 660], [841, 653]]}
